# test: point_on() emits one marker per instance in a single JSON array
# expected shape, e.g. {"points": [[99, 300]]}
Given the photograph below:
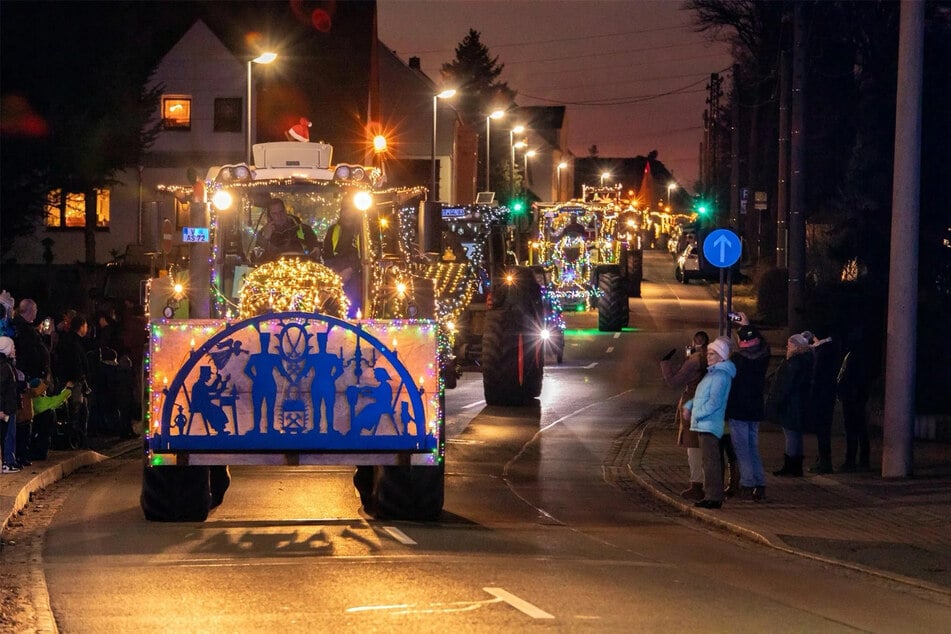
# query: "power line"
{"points": [[619, 100]]}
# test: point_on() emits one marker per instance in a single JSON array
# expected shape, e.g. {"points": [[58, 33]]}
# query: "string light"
{"points": [[293, 284]]}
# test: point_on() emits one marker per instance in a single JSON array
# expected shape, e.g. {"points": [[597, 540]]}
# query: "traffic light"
{"points": [[518, 207]]}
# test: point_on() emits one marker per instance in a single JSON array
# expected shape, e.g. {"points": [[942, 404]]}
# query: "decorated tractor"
{"points": [[581, 246], [321, 330]]}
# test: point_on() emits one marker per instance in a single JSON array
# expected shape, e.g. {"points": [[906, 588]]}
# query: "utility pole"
{"points": [[797, 188], [735, 155], [782, 199], [901, 338], [713, 100]]}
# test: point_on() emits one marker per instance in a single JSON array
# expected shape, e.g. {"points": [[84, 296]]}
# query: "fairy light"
{"points": [[292, 284]]}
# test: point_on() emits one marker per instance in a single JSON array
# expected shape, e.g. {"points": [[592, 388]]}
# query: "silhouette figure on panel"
{"points": [[373, 412], [224, 350], [327, 369], [260, 368], [204, 395]]}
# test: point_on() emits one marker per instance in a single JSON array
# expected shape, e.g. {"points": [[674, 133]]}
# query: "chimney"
{"points": [[414, 63]]}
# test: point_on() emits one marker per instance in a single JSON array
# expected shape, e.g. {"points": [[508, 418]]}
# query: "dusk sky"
{"points": [[632, 73]]}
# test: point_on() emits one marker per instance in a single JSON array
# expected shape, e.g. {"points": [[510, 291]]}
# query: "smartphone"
{"points": [[735, 317]]}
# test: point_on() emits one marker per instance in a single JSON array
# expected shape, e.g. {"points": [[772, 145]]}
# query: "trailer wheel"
{"points": [[176, 493], [220, 480], [408, 493], [612, 304], [511, 369]]}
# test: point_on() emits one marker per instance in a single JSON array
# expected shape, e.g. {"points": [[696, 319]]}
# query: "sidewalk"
{"points": [[899, 529]]}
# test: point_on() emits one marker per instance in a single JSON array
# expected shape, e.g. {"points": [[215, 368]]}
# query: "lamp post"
{"points": [[561, 166], [516, 130], [263, 58], [529, 154], [671, 185], [496, 114], [603, 176], [446, 94]]}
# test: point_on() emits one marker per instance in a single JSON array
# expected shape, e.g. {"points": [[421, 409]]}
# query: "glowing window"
{"points": [[70, 211], [177, 113]]}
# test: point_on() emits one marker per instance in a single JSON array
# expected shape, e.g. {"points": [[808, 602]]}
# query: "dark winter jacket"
{"points": [[789, 391], [9, 395], [749, 386], [33, 357], [822, 393], [70, 359]]}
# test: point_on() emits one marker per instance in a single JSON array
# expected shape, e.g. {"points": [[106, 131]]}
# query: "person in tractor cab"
{"points": [[341, 251], [573, 229], [285, 233]]}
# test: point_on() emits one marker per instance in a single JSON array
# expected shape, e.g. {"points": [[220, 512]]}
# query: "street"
{"points": [[543, 527]]}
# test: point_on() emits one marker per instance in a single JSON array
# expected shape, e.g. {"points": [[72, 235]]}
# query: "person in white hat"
{"points": [[707, 412], [9, 402]]}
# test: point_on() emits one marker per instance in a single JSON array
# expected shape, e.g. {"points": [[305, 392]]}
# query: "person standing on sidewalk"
{"points": [[9, 403], [745, 409], [687, 376], [786, 402], [821, 403], [852, 390], [707, 412]]}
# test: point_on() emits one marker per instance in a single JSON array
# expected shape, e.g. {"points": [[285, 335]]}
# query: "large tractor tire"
{"points": [[220, 477], [512, 359], [406, 493], [613, 311], [176, 493]]}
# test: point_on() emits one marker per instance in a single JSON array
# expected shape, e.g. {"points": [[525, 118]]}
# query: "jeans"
{"points": [[745, 435], [712, 467], [10, 441], [793, 443]]}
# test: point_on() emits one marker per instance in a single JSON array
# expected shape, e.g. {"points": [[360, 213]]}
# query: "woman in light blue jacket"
{"points": [[707, 413]]}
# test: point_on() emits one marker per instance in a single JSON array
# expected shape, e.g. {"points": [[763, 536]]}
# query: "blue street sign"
{"points": [[722, 248]]}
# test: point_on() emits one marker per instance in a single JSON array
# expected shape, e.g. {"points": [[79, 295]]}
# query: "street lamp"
{"points": [[516, 130], [496, 114], [561, 166], [671, 185], [446, 94], [528, 155], [603, 176], [263, 58]]}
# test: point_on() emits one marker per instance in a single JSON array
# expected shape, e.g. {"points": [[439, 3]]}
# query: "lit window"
{"points": [[69, 212], [177, 112], [227, 114]]}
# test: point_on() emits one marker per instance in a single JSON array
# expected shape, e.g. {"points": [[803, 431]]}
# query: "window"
{"points": [[177, 112], [228, 114], [70, 211]]}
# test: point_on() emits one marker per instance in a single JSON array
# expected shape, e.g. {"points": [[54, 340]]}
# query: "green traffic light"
{"points": [[517, 206]]}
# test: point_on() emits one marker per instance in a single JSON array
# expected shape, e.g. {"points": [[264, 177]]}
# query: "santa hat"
{"points": [[300, 131]]}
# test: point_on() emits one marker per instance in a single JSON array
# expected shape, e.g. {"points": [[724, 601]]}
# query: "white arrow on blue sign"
{"points": [[722, 248]]}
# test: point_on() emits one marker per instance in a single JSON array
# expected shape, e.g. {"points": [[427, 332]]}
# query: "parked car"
{"points": [[688, 264]]}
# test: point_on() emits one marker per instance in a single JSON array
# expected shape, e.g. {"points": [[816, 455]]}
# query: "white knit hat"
{"points": [[6, 347], [720, 345]]}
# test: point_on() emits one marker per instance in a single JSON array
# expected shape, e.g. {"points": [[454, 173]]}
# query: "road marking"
{"points": [[521, 605], [465, 441], [610, 349], [399, 536], [616, 335], [590, 365], [476, 404]]}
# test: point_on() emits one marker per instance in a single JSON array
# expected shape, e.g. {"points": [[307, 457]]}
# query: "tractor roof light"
{"points": [[222, 200], [362, 200]]}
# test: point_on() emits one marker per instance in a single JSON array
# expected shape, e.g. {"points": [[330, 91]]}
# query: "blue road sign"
{"points": [[722, 248]]}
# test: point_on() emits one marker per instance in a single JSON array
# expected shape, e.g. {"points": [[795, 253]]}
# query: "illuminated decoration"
{"points": [[293, 284], [294, 382]]}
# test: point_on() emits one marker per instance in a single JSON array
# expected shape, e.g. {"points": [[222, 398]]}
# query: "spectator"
{"points": [[745, 408], [852, 390], [70, 366], [686, 377], [33, 357], [787, 399], [707, 412], [821, 404], [9, 404]]}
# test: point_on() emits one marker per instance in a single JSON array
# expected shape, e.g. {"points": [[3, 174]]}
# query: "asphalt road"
{"points": [[542, 529]]}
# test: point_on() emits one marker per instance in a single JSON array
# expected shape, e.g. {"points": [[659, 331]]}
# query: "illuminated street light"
{"points": [[263, 58], [496, 114], [446, 94], [561, 166], [603, 176], [528, 155], [671, 185]]}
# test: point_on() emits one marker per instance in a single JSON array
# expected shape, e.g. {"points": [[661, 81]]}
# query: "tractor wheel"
{"points": [[612, 304], [220, 477], [176, 493], [512, 367], [408, 493], [363, 483]]}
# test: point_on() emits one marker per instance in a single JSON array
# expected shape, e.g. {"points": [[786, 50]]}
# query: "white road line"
{"points": [[519, 604], [616, 335], [590, 365], [399, 536], [476, 404], [610, 349]]}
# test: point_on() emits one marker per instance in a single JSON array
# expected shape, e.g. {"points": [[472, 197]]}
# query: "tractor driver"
{"points": [[573, 229], [285, 233]]}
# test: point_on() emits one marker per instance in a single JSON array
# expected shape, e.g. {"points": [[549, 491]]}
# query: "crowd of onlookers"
{"points": [[66, 380], [728, 391]]}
